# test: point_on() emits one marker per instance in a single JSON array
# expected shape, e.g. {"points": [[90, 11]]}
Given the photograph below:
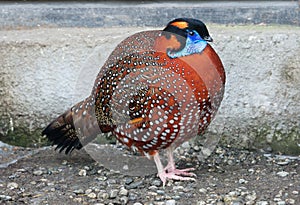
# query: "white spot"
{"points": [[125, 140]]}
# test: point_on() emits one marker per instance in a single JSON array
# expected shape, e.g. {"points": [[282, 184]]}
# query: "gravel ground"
{"points": [[227, 176]]}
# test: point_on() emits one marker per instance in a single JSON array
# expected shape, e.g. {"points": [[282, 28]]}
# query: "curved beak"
{"points": [[208, 39]]}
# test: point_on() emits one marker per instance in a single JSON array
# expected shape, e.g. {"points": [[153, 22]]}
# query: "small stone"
{"points": [[290, 201], [123, 192], [78, 200], [281, 203], [5, 197], [125, 167], [128, 180], [78, 191], [153, 188], [134, 185], [88, 191], [132, 197], [277, 199], [251, 197], [65, 162], [12, 185], [86, 167], [43, 180], [161, 192], [201, 203], [251, 170], [33, 182], [295, 192], [38, 172], [103, 196], [202, 190], [156, 182], [196, 148], [262, 203], [243, 181], [82, 172], [113, 193], [186, 145], [176, 197], [92, 195], [282, 174], [170, 202], [124, 200], [137, 203], [283, 163]]}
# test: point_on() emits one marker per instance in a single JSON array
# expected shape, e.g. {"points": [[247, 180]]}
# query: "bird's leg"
{"points": [[170, 172], [171, 168]]}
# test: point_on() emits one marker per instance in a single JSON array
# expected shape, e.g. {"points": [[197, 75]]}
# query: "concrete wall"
{"points": [[45, 70]]}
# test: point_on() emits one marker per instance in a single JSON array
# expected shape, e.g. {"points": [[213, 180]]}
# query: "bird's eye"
{"points": [[191, 33]]}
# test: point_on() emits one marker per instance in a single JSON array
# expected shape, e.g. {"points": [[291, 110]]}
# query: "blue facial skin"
{"points": [[194, 44]]}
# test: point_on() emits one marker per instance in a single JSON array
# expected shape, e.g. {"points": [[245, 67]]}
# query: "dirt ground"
{"points": [[228, 176]]}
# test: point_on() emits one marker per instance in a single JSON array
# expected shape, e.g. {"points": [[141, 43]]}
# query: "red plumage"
{"points": [[149, 99]]}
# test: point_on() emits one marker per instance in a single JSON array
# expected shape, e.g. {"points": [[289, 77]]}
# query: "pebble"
{"points": [[128, 180], [161, 192], [92, 195], [82, 172], [202, 190], [124, 200], [5, 197], [123, 192], [103, 196], [79, 191], [291, 201], [38, 172], [243, 181], [170, 202], [156, 183], [134, 185], [137, 203], [282, 174], [88, 191], [132, 196], [12, 185], [262, 203], [113, 193], [201, 203]]}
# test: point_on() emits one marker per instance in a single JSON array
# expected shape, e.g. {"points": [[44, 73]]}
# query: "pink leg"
{"points": [[170, 172], [171, 168]]}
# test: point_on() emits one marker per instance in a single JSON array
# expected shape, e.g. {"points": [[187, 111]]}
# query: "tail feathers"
{"points": [[61, 132], [75, 128]]}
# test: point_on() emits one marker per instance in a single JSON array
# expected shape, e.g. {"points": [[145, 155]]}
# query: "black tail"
{"points": [[73, 129]]}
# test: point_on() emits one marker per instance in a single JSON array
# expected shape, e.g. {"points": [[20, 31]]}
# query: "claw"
{"points": [[170, 171]]}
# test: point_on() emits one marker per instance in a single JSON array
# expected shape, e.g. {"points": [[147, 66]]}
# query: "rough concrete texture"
{"points": [[146, 13], [44, 71]]}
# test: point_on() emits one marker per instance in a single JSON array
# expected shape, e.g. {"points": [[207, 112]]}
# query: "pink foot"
{"points": [[181, 172], [177, 174], [170, 171]]}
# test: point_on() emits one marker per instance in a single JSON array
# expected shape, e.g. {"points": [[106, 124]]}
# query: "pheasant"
{"points": [[156, 90]]}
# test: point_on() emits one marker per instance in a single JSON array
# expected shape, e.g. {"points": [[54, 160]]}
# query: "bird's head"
{"points": [[187, 36]]}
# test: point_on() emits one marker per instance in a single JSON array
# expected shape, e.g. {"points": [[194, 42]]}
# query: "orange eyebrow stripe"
{"points": [[136, 120], [180, 24]]}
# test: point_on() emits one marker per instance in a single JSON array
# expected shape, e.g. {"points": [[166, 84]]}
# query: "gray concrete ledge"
{"points": [[105, 14]]}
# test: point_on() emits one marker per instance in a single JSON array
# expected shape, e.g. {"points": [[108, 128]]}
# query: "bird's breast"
{"points": [[151, 101]]}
